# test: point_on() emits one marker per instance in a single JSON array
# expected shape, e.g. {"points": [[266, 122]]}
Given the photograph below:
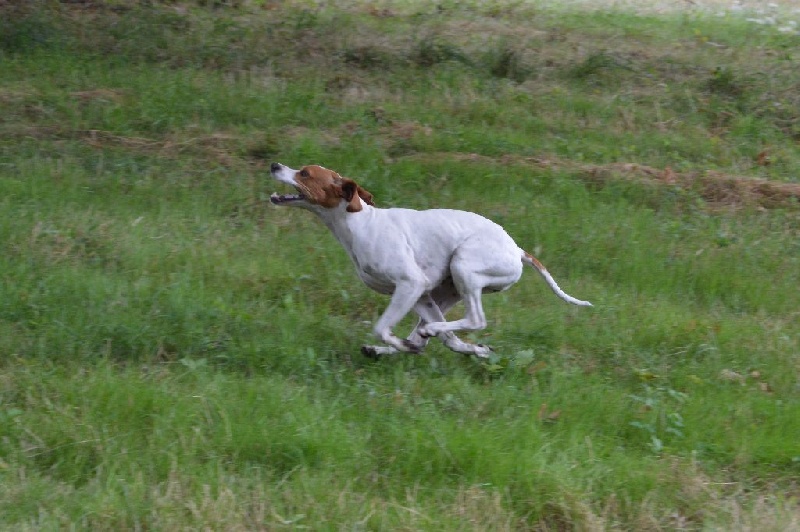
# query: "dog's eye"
{"points": [[303, 173]]}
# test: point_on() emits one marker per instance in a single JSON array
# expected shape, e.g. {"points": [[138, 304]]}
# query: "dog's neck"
{"points": [[342, 223]]}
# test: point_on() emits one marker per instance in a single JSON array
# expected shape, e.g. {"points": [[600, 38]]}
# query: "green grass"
{"points": [[176, 353]]}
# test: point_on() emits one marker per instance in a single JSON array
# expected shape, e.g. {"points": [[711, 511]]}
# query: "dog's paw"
{"points": [[370, 351], [411, 347], [424, 333], [482, 350], [377, 351]]}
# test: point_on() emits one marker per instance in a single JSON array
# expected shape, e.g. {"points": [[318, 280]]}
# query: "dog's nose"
{"points": [[275, 167]]}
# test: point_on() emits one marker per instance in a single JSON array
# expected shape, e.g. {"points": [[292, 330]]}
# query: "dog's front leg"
{"points": [[416, 339], [404, 298]]}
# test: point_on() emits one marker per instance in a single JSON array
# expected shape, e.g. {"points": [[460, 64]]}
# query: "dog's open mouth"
{"points": [[278, 199]]}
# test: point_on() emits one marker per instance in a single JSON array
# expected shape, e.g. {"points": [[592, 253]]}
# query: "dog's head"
{"points": [[318, 187]]}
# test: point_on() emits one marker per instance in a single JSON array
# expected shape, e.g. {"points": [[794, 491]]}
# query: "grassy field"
{"points": [[175, 353]]}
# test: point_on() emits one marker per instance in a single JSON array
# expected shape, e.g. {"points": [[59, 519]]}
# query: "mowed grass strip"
{"points": [[176, 354]]}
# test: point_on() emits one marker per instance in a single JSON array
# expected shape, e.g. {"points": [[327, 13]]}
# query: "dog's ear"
{"points": [[366, 196], [351, 195]]}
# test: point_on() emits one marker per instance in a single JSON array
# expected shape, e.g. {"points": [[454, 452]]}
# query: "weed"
{"points": [[599, 67], [659, 410], [431, 50], [504, 61], [25, 28], [368, 57], [725, 82]]}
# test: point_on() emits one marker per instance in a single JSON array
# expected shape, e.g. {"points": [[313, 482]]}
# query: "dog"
{"points": [[426, 260]]}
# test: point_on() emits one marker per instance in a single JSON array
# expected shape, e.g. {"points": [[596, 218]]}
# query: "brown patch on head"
{"points": [[320, 186], [327, 189]]}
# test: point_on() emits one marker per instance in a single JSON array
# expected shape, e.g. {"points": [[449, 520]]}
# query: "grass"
{"points": [[174, 353]]}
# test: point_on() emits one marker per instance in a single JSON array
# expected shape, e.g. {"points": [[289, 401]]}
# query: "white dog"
{"points": [[427, 260]]}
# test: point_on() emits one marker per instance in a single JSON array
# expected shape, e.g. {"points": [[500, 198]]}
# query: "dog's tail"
{"points": [[527, 258]]}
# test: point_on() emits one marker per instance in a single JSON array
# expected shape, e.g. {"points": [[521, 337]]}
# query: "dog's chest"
{"points": [[375, 280]]}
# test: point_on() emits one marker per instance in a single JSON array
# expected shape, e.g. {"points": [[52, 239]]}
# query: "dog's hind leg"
{"points": [[473, 320], [444, 297], [472, 277]]}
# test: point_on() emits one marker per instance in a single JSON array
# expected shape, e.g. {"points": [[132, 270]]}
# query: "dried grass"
{"points": [[717, 188], [99, 95]]}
